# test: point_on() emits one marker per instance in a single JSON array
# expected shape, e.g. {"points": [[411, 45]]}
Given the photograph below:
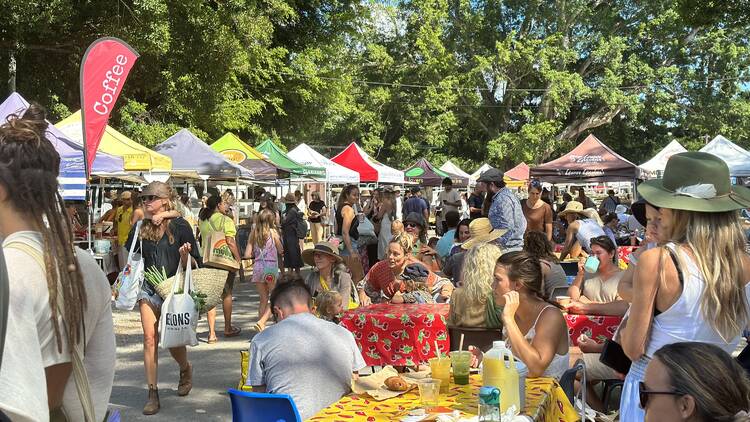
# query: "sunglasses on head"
{"points": [[535, 184], [644, 393]]}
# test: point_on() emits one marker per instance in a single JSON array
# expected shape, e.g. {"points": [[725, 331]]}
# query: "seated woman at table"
{"points": [[597, 293], [535, 329], [383, 279], [328, 272], [472, 304], [416, 226], [537, 244]]}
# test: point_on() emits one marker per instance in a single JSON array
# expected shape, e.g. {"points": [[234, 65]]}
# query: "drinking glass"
{"points": [[441, 369], [429, 391], [460, 361]]}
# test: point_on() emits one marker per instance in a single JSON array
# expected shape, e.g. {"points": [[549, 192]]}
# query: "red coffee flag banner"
{"points": [[104, 69]]}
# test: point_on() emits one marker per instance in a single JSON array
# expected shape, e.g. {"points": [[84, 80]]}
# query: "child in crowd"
{"points": [[330, 306], [415, 288]]}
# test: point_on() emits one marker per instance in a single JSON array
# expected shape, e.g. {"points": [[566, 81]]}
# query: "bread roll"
{"points": [[396, 384]]}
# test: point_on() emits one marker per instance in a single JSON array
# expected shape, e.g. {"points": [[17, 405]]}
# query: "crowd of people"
{"points": [[684, 296]]}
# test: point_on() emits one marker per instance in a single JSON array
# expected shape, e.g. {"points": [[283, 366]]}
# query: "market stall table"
{"points": [[596, 327], [545, 401], [398, 335]]}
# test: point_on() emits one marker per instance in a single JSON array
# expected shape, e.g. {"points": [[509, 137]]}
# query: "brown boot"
{"points": [[152, 405], [186, 380]]}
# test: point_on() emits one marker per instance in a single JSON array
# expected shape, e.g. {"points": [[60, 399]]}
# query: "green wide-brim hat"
{"points": [[695, 181]]}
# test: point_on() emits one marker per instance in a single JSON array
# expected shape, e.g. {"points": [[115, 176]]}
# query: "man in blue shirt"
{"points": [[416, 204], [445, 243], [505, 211]]}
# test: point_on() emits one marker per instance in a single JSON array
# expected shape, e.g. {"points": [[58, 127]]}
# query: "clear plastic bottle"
{"points": [[499, 370], [489, 404]]}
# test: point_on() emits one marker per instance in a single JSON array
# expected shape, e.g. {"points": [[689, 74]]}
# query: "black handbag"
{"points": [[613, 356]]}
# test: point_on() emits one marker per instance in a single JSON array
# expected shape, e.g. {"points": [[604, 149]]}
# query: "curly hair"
{"points": [[537, 244], [478, 269], [29, 167]]}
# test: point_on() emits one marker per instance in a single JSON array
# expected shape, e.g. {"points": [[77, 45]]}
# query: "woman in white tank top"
{"points": [[695, 288], [535, 330]]}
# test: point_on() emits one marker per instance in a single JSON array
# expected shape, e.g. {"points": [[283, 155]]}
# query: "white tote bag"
{"points": [[179, 318], [130, 278]]}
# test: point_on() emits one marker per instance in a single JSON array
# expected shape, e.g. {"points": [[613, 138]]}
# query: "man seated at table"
{"points": [[384, 278], [308, 358]]}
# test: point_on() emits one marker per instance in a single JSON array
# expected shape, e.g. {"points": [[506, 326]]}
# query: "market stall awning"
{"points": [[424, 173], [335, 173], [519, 172], [273, 153], [655, 166], [737, 158], [135, 156], [238, 152], [454, 169], [369, 169], [72, 177], [188, 152], [590, 161], [484, 167]]}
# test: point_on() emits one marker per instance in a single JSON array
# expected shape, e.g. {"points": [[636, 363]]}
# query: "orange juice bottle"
{"points": [[499, 370]]}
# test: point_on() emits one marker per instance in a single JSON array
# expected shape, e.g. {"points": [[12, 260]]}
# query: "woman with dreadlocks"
{"points": [[59, 298]]}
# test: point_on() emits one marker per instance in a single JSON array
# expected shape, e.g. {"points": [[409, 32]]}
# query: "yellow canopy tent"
{"points": [[136, 156]]}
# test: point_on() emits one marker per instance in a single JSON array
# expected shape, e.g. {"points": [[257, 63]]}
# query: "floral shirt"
{"points": [[506, 213]]}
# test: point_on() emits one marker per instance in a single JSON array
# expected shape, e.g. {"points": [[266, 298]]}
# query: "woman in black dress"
{"points": [[293, 232]]}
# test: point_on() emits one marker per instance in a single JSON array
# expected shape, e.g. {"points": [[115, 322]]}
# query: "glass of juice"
{"points": [[441, 369], [429, 391], [460, 361]]}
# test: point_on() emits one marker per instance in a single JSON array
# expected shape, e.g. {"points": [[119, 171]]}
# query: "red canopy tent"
{"points": [[369, 169], [519, 172], [590, 161]]}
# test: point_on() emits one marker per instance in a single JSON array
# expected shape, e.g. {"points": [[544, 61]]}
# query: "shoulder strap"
{"points": [[673, 254], [79, 370], [540, 314]]}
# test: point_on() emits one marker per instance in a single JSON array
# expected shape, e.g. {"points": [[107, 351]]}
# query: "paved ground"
{"points": [[216, 367]]}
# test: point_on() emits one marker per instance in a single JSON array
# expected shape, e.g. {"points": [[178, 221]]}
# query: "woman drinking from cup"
{"points": [[596, 293]]}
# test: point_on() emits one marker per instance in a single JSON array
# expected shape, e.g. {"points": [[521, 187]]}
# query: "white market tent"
{"points": [[449, 167], [655, 166], [474, 176], [335, 173], [736, 158]]}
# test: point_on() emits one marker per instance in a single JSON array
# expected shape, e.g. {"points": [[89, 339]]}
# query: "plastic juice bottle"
{"points": [[499, 370]]}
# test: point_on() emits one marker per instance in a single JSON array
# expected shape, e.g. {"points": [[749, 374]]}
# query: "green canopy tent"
{"points": [[237, 151], [425, 174], [275, 155]]}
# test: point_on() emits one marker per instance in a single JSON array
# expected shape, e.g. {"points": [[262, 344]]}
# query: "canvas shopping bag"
{"points": [[216, 251], [179, 318], [129, 280]]}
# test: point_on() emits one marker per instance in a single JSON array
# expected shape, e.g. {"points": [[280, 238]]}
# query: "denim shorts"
{"points": [[151, 297], [344, 251]]}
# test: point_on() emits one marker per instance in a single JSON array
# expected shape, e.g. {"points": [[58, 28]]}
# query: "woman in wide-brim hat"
{"points": [[695, 287], [583, 225], [481, 231], [328, 272]]}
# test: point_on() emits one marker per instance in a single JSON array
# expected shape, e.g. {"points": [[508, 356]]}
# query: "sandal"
{"points": [[234, 333], [212, 340], [258, 327]]}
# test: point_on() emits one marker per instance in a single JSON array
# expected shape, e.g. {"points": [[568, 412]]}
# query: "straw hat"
{"points": [[481, 231], [695, 181], [572, 207], [289, 198], [308, 255]]}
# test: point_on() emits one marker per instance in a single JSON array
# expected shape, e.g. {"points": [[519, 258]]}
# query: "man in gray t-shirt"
{"points": [[308, 358]]}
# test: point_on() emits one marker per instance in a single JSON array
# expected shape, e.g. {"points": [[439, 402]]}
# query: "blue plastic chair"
{"points": [[262, 407]]}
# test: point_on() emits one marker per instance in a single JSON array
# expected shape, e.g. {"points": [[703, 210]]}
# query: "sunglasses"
{"points": [[412, 225], [644, 393], [149, 198]]}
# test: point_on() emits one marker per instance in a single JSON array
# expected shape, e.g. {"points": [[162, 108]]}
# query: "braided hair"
{"points": [[29, 166]]}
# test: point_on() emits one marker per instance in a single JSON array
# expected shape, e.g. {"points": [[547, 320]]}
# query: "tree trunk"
{"points": [[12, 71]]}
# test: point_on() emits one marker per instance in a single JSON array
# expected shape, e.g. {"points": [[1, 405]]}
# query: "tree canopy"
{"points": [[468, 80]]}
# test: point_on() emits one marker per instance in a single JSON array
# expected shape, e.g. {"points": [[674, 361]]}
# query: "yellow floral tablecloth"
{"points": [[545, 402]]}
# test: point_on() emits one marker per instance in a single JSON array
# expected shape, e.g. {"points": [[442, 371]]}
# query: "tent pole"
{"points": [[237, 201]]}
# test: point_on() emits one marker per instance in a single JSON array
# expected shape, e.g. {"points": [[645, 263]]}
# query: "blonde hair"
{"points": [[478, 271], [405, 241], [264, 223], [326, 304], [717, 242], [151, 231]]}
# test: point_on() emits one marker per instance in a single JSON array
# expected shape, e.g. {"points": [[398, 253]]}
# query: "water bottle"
{"points": [[489, 404]]}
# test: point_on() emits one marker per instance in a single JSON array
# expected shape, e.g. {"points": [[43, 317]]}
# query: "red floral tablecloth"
{"points": [[596, 327], [624, 251], [399, 335]]}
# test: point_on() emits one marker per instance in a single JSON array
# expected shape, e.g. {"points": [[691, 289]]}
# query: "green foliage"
{"points": [[471, 81]]}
